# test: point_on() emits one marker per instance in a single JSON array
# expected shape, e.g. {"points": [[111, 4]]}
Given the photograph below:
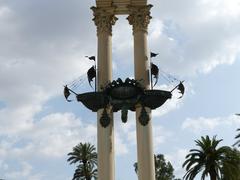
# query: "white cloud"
{"points": [[39, 53], [122, 36], [16, 120], [42, 51], [121, 147], [171, 104], [177, 158], [4, 12], [160, 136], [155, 28], [51, 136], [125, 134], [3, 166], [24, 173], [200, 124], [38, 50], [197, 36], [226, 8]]}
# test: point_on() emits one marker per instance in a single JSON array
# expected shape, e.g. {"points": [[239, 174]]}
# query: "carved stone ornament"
{"points": [[144, 117], [105, 119], [104, 20], [139, 17]]}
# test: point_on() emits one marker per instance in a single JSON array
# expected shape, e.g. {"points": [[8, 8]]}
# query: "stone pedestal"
{"points": [[105, 136]]}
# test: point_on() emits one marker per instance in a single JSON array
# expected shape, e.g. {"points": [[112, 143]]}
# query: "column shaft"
{"points": [[105, 135], [139, 18]]}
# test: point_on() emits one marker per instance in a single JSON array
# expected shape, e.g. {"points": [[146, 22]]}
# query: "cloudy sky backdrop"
{"points": [[42, 47]]}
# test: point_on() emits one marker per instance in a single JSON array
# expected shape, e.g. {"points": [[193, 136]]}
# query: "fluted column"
{"points": [[139, 18], [105, 135]]}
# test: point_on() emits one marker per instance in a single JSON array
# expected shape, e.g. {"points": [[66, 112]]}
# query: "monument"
{"points": [[132, 94], [104, 18]]}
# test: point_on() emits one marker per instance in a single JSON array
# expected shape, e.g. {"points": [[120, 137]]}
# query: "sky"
{"points": [[43, 45]]}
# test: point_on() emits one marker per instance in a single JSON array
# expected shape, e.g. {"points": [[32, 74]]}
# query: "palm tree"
{"points": [[230, 172], [210, 160], [238, 139], [238, 136], [85, 173], [86, 157]]}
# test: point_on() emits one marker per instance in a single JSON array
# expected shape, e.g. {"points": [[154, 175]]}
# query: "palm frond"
{"points": [[211, 160], [85, 157]]}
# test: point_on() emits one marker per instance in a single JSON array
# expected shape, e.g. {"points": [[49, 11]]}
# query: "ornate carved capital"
{"points": [[104, 20], [139, 17]]}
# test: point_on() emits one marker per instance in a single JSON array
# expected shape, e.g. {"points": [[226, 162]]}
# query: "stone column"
{"points": [[139, 18], [105, 135]]}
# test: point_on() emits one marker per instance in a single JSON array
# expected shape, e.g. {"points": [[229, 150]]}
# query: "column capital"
{"points": [[104, 19], [139, 17]]}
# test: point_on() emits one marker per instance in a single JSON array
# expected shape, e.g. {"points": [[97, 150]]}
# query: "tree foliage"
{"points": [[233, 159], [238, 139], [211, 161], [85, 156], [163, 170]]}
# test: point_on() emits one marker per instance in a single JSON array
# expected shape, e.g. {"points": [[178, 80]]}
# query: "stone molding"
{"points": [[139, 17], [104, 19]]}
